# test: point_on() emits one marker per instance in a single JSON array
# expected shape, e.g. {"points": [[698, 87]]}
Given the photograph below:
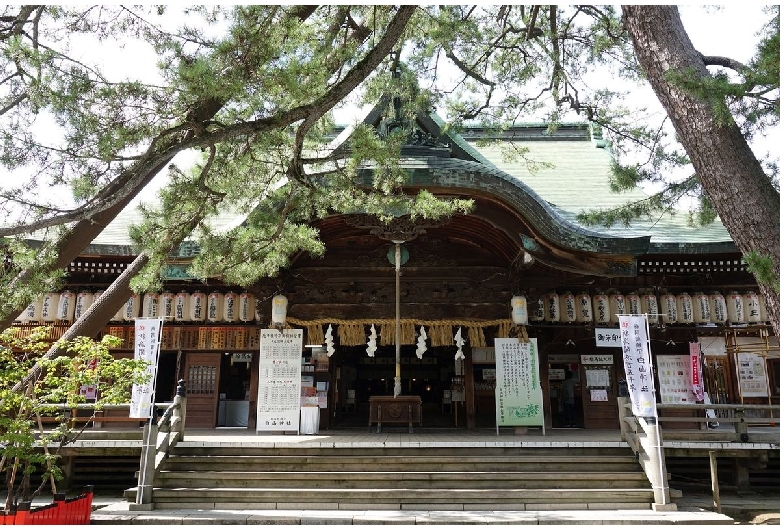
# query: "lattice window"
{"points": [[666, 266]]}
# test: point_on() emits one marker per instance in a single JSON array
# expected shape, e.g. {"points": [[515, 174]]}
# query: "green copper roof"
{"points": [[554, 176], [571, 175]]}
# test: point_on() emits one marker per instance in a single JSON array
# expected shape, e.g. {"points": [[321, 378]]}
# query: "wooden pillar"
{"points": [[742, 474], [468, 377], [254, 372]]}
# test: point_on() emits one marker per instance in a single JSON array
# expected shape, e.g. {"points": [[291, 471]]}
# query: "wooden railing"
{"points": [[644, 436], [158, 439], [743, 418]]}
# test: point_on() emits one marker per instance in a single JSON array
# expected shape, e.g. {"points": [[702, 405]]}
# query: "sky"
{"points": [[726, 30]]}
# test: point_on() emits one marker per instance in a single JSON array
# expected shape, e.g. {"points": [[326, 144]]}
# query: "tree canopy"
{"points": [[252, 89]]}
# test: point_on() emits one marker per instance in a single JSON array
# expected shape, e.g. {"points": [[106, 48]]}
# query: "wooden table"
{"points": [[389, 409]]}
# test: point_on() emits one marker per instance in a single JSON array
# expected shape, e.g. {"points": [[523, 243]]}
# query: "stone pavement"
{"points": [[750, 508], [692, 509]]}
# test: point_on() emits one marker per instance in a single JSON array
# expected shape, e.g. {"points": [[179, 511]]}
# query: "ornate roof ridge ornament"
{"points": [[414, 134], [401, 229]]}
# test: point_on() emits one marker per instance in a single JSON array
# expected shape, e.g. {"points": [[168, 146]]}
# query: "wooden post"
{"points": [[622, 402], [143, 497], [657, 470], [715, 485], [180, 412], [397, 385], [740, 427], [468, 393]]}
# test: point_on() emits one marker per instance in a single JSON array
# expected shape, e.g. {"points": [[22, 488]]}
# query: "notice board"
{"points": [[518, 386], [279, 382]]}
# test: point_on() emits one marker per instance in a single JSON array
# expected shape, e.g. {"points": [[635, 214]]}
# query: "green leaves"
{"points": [[763, 268], [88, 363]]}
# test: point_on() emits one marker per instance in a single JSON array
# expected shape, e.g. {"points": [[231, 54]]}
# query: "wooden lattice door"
{"points": [[202, 375]]}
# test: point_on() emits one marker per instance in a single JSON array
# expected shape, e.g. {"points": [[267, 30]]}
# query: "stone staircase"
{"points": [[401, 478]]}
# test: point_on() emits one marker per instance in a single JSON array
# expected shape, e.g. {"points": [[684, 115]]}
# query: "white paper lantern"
{"points": [[537, 315], [66, 306], [259, 313], [246, 307], [701, 308], [84, 301], [633, 304], [198, 307], [181, 308], [32, 313], [230, 307], [669, 308], [752, 307], [49, 307], [719, 312], [552, 307], [279, 310], [762, 308], [214, 306], [736, 308], [684, 309], [519, 310], [617, 306], [584, 308], [568, 308], [649, 306], [167, 306], [151, 305], [132, 308], [601, 309]]}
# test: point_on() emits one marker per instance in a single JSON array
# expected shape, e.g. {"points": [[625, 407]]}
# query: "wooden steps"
{"points": [[402, 478]]}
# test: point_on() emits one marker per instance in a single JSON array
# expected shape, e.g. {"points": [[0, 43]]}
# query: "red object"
{"points": [[62, 511]]}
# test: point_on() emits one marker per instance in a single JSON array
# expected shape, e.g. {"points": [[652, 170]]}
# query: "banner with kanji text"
{"points": [[148, 332], [638, 365]]}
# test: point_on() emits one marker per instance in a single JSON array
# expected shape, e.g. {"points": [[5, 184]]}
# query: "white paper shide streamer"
{"points": [[421, 347], [329, 341], [459, 342], [371, 345]]}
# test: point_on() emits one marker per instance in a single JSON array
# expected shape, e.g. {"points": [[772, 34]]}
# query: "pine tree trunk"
{"points": [[728, 169]]}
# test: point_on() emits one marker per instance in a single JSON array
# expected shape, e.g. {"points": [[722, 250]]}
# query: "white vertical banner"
{"points": [[638, 364], [518, 386], [279, 382], [148, 332]]}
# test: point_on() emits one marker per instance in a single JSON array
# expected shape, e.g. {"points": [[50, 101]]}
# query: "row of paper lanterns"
{"points": [[601, 309], [68, 306], [682, 308]]}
